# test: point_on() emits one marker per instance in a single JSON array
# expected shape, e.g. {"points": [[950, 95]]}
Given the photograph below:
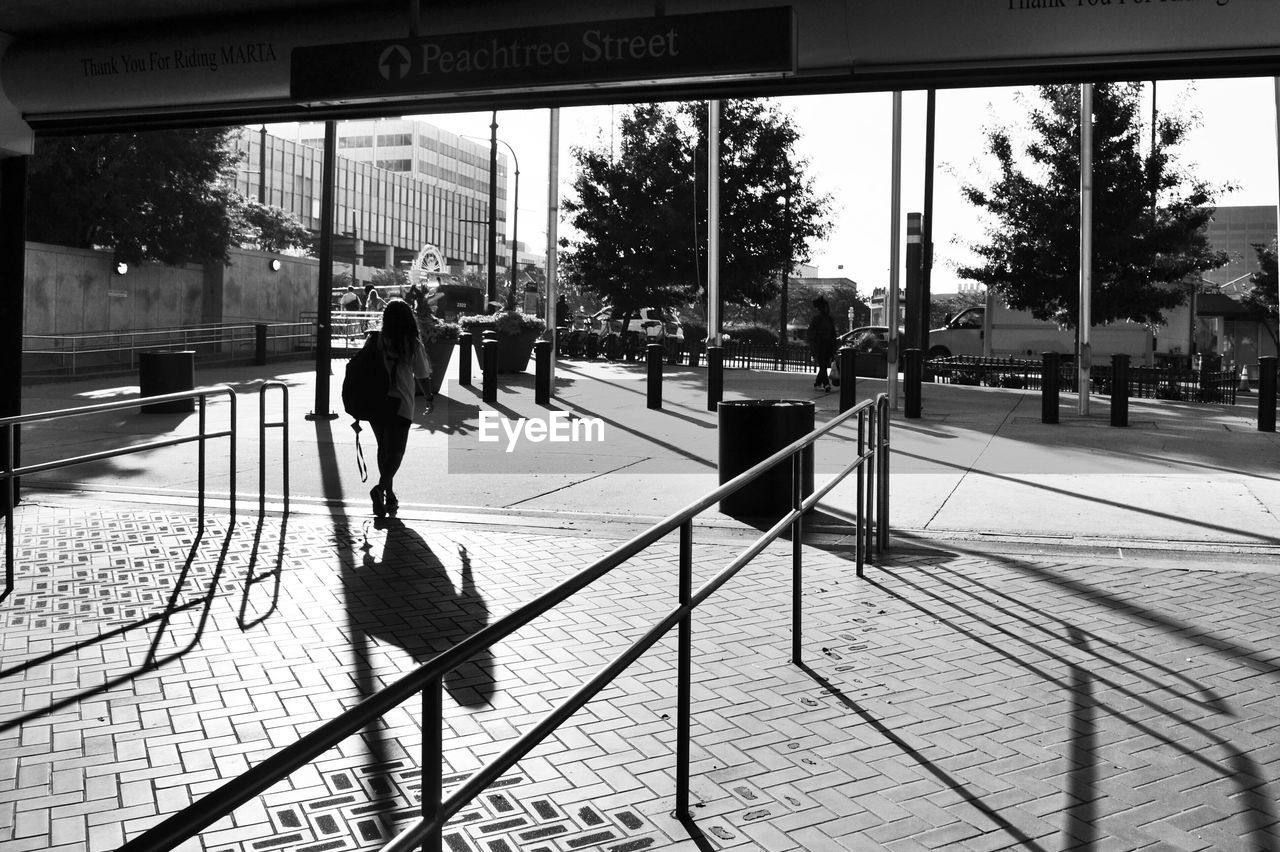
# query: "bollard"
{"points": [[489, 370], [1119, 390], [464, 359], [911, 383], [542, 372], [848, 377], [260, 344], [654, 353], [1050, 370], [1267, 394], [715, 376]]}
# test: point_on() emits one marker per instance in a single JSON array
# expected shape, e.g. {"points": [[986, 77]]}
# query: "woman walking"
{"points": [[407, 366]]}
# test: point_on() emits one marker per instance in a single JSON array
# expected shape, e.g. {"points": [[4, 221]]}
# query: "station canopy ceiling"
{"points": [[108, 64]]}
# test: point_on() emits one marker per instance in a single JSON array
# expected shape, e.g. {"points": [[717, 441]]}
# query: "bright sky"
{"points": [[847, 141]]}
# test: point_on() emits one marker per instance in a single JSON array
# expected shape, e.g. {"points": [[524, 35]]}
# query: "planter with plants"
{"points": [[439, 339], [516, 332]]}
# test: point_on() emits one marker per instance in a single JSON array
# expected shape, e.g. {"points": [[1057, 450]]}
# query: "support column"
{"points": [[13, 247], [324, 311]]}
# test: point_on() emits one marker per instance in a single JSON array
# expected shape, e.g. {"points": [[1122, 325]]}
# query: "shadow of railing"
{"points": [[1091, 670]]}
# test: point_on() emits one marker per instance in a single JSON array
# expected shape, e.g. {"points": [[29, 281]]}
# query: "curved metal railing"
{"points": [[871, 464]]}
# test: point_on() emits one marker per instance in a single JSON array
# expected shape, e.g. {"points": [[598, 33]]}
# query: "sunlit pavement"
{"points": [[1055, 670]]}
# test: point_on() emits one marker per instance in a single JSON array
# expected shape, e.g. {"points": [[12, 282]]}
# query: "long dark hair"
{"points": [[399, 329]]}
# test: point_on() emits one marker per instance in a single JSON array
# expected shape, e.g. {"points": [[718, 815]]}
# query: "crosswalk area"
{"points": [[951, 699]]}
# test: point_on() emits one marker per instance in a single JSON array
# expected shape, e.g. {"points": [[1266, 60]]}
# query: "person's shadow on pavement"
{"points": [[407, 599]]}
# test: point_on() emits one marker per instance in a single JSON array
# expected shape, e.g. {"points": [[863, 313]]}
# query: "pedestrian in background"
{"points": [[406, 361], [373, 300], [822, 341], [350, 300]]}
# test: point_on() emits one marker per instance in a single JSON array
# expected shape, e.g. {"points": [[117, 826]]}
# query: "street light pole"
{"points": [[491, 296], [493, 206], [515, 210]]}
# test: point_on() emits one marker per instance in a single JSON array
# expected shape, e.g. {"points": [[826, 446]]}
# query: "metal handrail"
{"points": [[263, 425], [873, 442], [11, 473], [222, 338]]}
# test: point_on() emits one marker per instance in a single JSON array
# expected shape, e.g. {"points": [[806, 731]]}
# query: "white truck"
{"points": [[1006, 333]]}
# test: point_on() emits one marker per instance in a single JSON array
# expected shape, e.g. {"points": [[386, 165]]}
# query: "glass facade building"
{"points": [[398, 184]]}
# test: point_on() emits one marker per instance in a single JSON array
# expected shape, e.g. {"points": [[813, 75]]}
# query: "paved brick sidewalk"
{"points": [[949, 700]]}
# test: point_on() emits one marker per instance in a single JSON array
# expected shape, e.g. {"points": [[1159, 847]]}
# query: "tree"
{"points": [[1263, 297], [272, 229], [161, 195], [1148, 217], [634, 213], [642, 215], [941, 307], [770, 211]]}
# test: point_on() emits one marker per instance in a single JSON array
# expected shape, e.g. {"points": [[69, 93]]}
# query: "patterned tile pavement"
{"points": [[949, 700]]}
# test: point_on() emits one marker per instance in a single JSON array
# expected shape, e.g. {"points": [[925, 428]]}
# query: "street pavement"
{"points": [[978, 463], [1070, 644]]}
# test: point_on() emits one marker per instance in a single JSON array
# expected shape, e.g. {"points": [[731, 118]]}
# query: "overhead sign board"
{"points": [[713, 44]]}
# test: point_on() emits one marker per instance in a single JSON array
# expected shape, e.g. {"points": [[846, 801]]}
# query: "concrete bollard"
{"points": [[1050, 370], [464, 359], [848, 358], [911, 383], [489, 370], [1119, 390], [259, 344], [542, 372], [1267, 394], [654, 354], [715, 377]]}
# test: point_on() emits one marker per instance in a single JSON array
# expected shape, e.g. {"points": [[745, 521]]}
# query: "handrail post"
{"points": [[433, 763], [860, 529], [231, 453], [797, 555], [283, 423], [869, 462], [200, 479], [10, 508], [684, 673], [882, 452]]}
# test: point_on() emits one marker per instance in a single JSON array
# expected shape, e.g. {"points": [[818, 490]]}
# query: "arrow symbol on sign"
{"points": [[394, 62]]}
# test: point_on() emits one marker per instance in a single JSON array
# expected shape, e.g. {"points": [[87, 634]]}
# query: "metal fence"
{"points": [[70, 355], [792, 358], [1206, 386]]}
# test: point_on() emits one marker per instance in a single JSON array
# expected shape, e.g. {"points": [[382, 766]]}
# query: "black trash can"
{"points": [[751, 431], [167, 372]]}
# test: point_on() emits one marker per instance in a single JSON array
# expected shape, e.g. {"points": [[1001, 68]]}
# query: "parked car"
{"points": [[648, 325], [651, 323], [872, 339]]}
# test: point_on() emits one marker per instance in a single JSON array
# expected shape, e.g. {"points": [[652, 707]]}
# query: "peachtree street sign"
{"points": [[744, 41]]}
